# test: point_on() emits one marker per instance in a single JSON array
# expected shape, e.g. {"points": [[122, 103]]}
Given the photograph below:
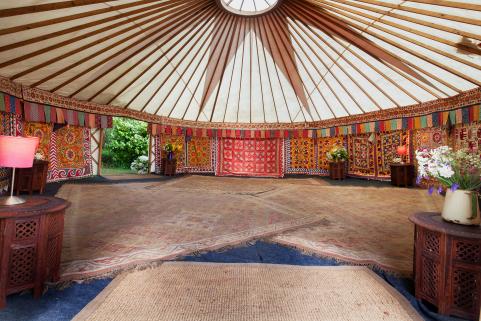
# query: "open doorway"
{"points": [[125, 149]]}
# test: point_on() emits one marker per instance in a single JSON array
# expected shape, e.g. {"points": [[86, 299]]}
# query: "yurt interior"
{"points": [[240, 160]]}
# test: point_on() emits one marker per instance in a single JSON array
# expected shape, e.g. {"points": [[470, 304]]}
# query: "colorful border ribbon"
{"points": [[463, 115]]}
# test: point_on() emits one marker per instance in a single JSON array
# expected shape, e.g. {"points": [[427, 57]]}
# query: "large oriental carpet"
{"points": [[232, 292], [115, 226], [112, 227]]}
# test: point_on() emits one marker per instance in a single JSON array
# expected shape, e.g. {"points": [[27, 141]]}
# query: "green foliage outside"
{"points": [[124, 143]]}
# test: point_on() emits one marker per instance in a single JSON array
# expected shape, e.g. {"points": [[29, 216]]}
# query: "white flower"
{"points": [[445, 171]]}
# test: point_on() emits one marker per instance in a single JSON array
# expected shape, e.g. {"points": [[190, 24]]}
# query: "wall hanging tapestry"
{"points": [[362, 155], [429, 138], [70, 155], [250, 157], [324, 144], [467, 136], [200, 155], [387, 144], [301, 156], [44, 133]]}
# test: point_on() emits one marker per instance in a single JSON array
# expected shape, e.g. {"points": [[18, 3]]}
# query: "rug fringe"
{"points": [[108, 275], [345, 261], [156, 263]]}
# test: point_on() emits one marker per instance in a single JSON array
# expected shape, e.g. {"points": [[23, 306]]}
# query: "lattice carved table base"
{"points": [[448, 265], [31, 244]]}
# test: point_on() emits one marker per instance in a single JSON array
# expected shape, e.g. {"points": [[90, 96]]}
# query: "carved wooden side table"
{"points": [[447, 265], [30, 244], [32, 179], [169, 166], [402, 174], [337, 170]]}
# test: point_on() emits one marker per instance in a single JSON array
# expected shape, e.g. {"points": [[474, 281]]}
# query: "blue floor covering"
{"points": [[63, 305]]}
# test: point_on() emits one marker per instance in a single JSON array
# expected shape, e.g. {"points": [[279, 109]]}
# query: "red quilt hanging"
{"points": [[250, 157]]}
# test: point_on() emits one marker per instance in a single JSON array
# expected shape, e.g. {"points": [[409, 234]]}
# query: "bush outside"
{"points": [[125, 142]]}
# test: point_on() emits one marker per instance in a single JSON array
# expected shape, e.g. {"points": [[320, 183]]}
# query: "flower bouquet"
{"points": [[459, 173], [171, 149], [337, 154]]}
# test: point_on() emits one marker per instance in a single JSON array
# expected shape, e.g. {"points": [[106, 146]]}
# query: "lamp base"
{"points": [[11, 200]]}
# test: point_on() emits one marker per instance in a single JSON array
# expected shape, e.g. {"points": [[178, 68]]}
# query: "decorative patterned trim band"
{"points": [[436, 119], [48, 114], [467, 98]]}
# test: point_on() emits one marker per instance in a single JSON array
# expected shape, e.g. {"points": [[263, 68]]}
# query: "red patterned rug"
{"points": [[250, 157], [111, 227]]}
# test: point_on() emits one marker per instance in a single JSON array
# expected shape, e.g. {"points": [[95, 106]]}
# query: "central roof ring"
{"points": [[249, 8]]}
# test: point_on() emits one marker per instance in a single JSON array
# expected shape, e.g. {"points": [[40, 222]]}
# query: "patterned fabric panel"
{"points": [[5, 123], [174, 139], [324, 144], [430, 138], [157, 150], [301, 155], [250, 157], [362, 150], [467, 136], [44, 132], [10, 124], [70, 150], [70, 155], [199, 155], [387, 144]]}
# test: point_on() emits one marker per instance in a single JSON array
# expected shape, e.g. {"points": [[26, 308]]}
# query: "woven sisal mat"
{"points": [[179, 291]]}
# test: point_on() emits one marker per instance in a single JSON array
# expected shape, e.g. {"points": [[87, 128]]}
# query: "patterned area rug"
{"points": [[111, 227], [203, 291], [363, 225]]}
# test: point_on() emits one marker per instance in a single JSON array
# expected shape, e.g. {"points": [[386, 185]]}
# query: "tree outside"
{"points": [[124, 143]]}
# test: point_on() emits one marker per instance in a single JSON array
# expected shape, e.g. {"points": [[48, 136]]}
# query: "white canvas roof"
{"points": [[265, 61]]}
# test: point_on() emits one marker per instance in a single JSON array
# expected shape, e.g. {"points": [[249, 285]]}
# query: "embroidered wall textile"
{"points": [[301, 155], [199, 155], [250, 157]]}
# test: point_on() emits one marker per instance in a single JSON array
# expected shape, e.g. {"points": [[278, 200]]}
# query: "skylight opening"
{"points": [[249, 7]]}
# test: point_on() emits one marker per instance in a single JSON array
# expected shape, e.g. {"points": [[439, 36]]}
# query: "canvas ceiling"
{"points": [[301, 61]]}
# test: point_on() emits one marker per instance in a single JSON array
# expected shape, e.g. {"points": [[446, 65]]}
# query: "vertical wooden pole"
{"points": [[150, 154], [101, 145]]}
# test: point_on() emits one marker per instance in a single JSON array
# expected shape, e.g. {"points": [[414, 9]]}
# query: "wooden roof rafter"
{"points": [[301, 61], [404, 61], [170, 32], [306, 24], [17, 11]]}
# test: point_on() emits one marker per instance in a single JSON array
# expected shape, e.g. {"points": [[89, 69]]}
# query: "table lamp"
{"points": [[16, 152], [402, 151]]}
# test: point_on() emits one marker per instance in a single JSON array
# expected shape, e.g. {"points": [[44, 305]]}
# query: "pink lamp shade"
{"points": [[402, 150], [17, 152]]}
